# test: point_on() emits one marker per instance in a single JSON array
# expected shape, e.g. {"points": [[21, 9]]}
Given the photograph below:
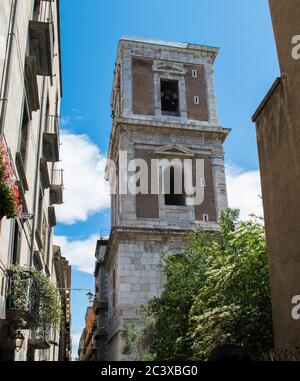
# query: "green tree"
{"points": [[215, 292], [234, 304], [138, 337]]}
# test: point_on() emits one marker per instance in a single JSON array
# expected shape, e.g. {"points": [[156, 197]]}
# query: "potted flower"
{"points": [[10, 201]]}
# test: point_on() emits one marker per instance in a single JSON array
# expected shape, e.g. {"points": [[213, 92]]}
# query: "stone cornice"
{"points": [[186, 125], [149, 233], [162, 126], [187, 48]]}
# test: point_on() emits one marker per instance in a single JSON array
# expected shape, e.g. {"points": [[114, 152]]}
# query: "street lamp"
{"points": [[19, 340], [90, 296]]}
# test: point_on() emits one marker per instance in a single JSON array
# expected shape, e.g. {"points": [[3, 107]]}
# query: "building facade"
{"points": [[87, 345], [278, 136], [92, 345], [63, 281], [100, 302], [31, 89], [163, 108]]}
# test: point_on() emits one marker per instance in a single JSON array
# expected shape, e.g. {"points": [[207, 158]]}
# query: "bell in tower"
{"points": [[169, 97]]}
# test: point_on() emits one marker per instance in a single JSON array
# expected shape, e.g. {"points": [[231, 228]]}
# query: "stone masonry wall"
{"points": [[196, 87], [142, 84], [139, 279]]}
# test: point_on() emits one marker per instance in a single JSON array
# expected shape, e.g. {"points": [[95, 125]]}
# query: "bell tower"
{"points": [[164, 108]]}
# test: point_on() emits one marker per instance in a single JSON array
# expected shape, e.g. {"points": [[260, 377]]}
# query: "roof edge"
{"points": [[266, 99], [171, 44]]}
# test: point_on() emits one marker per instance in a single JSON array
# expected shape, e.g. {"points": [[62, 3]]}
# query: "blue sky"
{"points": [[245, 69]]}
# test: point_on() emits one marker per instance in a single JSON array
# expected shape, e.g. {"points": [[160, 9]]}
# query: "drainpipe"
{"points": [[7, 66], [37, 174]]}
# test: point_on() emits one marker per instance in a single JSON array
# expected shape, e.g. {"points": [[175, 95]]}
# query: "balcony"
{"points": [[101, 305], [101, 333], [39, 239], [57, 187], [39, 344], [13, 315], [38, 260], [94, 327], [31, 84], [45, 178], [41, 37], [51, 139], [51, 216]]}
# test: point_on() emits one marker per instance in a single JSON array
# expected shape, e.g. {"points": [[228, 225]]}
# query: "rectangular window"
{"points": [[16, 244], [44, 238], [205, 218], [47, 127], [173, 197], [194, 73], [169, 97], [49, 249], [36, 10], [114, 296], [40, 213], [196, 100], [24, 134], [2, 286]]}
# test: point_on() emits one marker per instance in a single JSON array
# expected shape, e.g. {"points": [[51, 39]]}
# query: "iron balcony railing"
{"points": [[101, 305], [57, 187], [52, 124], [57, 178], [12, 313], [51, 139], [41, 43]]}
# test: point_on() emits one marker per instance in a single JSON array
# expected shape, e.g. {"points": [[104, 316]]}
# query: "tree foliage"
{"points": [[36, 300], [215, 292], [138, 337]]}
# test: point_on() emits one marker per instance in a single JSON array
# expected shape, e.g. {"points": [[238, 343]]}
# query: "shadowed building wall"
{"points": [[278, 135]]}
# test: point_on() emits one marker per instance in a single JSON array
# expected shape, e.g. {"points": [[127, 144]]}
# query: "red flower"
{"points": [[9, 190]]}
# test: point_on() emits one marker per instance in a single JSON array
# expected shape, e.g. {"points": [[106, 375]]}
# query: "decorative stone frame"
{"points": [[185, 213], [169, 71]]}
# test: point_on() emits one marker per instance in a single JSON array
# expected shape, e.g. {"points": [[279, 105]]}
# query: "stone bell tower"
{"points": [[163, 107]]}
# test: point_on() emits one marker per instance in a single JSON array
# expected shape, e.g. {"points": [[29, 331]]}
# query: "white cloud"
{"points": [[78, 118], [86, 191], [244, 191], [80, 253], [76, 338], [65, 120], [77, 115], [75, 344]]}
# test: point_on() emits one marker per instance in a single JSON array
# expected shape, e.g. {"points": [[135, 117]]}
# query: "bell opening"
{"points": [[169, 97]]}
